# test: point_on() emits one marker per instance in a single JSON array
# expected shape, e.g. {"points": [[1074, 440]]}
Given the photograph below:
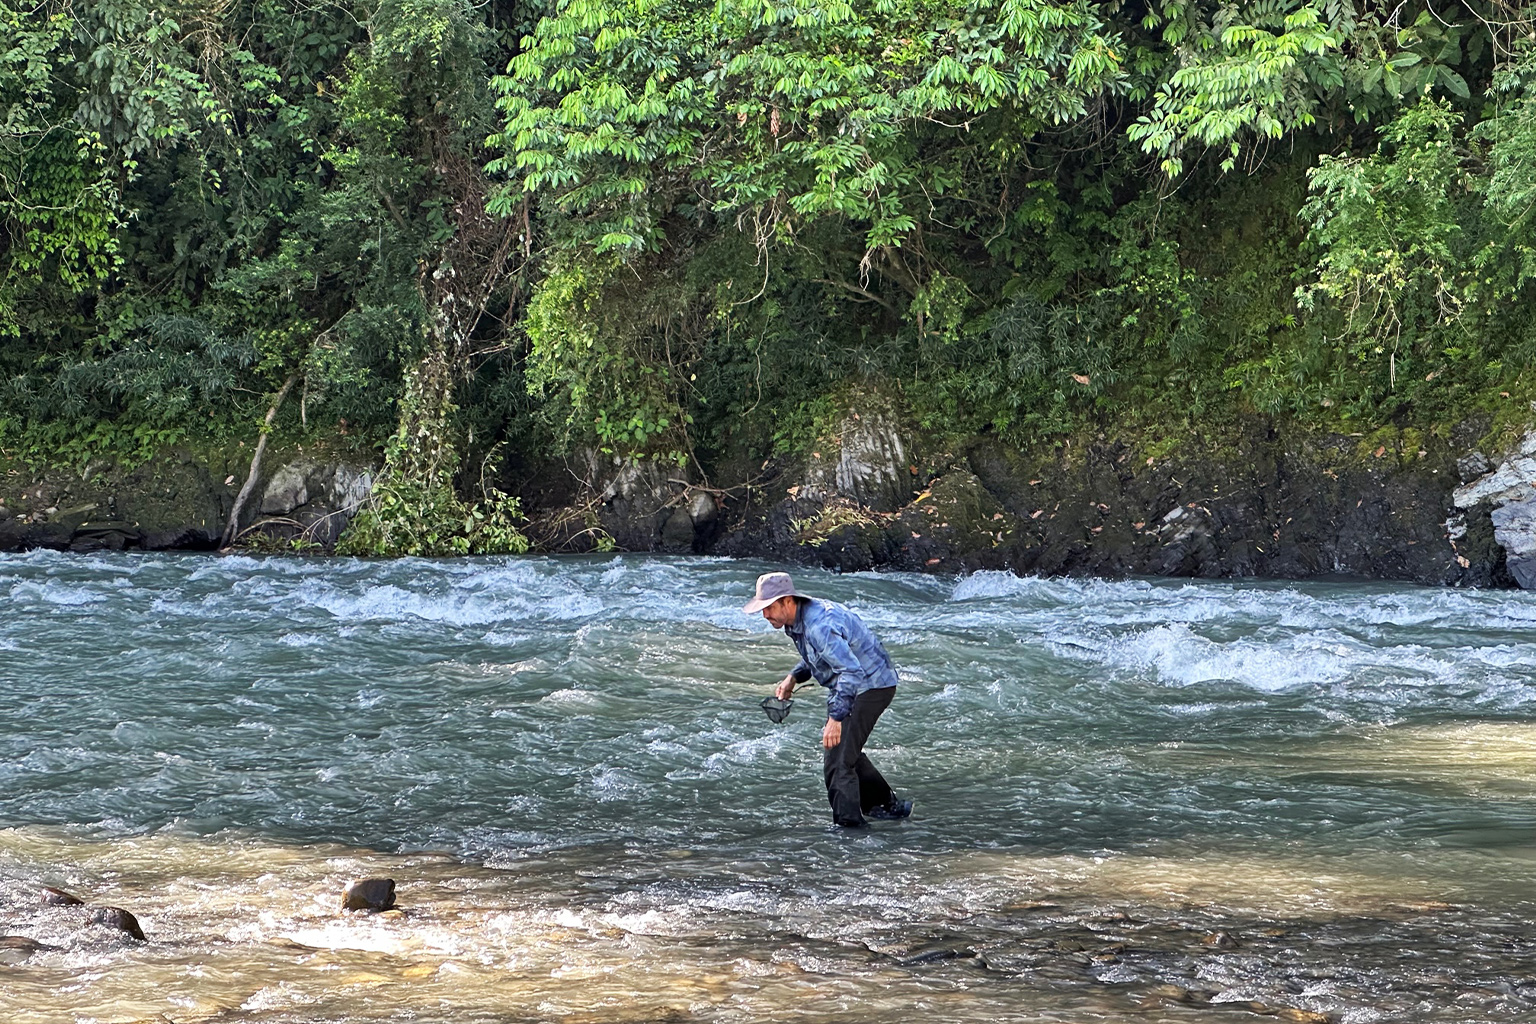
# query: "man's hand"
{"points": [[832, 734], [785, 688]]}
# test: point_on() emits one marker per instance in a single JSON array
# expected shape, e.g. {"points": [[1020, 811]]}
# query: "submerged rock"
{"points": [[934, 956], [118, 918], [59, 898], [369, 894], [1162, 995], [16, 948]]}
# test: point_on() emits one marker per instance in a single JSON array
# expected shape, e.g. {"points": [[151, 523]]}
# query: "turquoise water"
{"points": [[1136, 801]]}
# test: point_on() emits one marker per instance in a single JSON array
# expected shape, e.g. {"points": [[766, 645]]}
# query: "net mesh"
{"points": [[777, 710]]}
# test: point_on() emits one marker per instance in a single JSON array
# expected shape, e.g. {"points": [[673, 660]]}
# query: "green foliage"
{"points": [[1260, 74], [1264, 70], [684, 230], [614, 360], [58, 205], [1389, 231], [404, 517], [623, 110]]}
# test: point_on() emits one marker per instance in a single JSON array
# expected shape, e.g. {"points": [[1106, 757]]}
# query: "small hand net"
{"points": [[777, 710]]}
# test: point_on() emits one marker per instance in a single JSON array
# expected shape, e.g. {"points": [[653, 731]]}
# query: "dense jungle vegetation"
{"points": [[684, 229]]}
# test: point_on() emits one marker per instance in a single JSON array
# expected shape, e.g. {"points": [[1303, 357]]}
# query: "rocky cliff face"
{"points": [[1255, 500], [1506, 495], [177, 501], [1252, 502]]}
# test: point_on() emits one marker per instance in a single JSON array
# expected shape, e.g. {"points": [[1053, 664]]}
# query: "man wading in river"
{"points": [[839, 650]]}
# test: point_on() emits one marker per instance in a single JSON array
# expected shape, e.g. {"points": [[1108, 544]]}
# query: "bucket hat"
{"points": [[770, 587]]}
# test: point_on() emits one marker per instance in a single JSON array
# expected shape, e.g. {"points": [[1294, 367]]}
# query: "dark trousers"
{"points": [[853, 785]]}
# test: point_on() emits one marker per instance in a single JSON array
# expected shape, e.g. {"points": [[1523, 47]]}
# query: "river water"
{"points": [[1136, 800]]}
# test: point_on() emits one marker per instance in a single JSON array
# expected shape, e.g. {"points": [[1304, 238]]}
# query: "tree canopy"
{"points": [[680, 228]]}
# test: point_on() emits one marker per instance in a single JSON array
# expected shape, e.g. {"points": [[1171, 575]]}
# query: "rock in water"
{"points": [[16, 948], [369, 894], [59, 898], [117, 917]]}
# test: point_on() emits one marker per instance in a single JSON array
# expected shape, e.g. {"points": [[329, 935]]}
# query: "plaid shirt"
{"points": [[839, 650]]}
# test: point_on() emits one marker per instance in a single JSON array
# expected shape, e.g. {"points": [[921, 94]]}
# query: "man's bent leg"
{"points": [[840, 765], [874, 791]]}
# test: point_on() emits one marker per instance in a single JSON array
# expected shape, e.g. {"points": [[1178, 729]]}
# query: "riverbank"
{"points": [[1254, 498]]}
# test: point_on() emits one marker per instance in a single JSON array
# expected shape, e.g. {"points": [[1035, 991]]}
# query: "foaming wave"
{"points": [[615, 784], [221, 567], [1179, 656], [55, 592], [277, 997], [750, 751], [567, 696], [388, 602], [1174, 654], [994, 583]]}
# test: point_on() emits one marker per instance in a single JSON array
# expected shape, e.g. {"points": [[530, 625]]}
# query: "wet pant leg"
{"points": [[853, 784]]}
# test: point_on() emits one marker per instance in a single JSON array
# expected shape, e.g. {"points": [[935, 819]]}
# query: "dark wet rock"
{"points": [[704, 513], [288, 489], [59, 898], [369, 894], [1471, 466], [118, 918], [677, 531], [1255, 500], [1497, 518], [16, 948], [636, 504], [934, 956], [106, 536], [1251, 497], [172, 500]]}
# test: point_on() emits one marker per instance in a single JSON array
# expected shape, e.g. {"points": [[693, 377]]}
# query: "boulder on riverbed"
{"points": [[16, 948], [369, 894], [59, 898], [118, 918]]}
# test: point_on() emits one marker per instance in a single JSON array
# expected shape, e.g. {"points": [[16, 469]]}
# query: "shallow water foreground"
{"points": [[1137, 801]]}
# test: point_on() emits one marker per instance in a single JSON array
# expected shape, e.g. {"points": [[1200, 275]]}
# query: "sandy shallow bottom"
{"points": [[241, 929]]}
